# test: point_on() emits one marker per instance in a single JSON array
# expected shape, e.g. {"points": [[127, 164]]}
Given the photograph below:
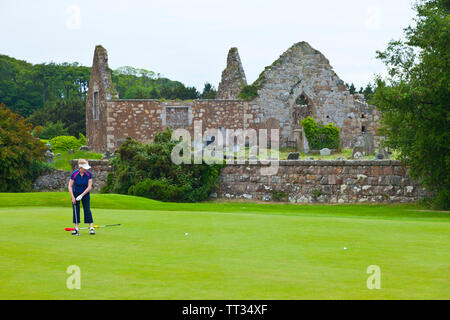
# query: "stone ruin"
{"points": [[233, 77], [300, 83]]}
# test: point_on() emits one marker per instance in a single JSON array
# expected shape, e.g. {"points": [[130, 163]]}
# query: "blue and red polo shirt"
{"points": [[80, 183]]}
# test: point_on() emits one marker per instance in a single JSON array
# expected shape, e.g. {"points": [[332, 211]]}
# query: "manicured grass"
{"points": [[63, 161], [232, 250]]}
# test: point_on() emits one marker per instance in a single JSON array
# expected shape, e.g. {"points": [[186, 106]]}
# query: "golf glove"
{"points": [[79, 197]]}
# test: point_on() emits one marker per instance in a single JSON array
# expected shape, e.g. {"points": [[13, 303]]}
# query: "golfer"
{"points": [[80, 184]]}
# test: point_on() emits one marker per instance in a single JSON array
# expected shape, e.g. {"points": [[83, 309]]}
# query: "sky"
{"points": [[188, 40]]}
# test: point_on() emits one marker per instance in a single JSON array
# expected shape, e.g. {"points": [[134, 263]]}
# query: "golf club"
{"points": [[76, 218], [106, 225]]}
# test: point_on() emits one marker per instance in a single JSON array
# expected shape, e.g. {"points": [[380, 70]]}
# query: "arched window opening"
{"points": [[301, 101]]}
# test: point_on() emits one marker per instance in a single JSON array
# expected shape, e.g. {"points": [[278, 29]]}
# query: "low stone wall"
{"points": [[297, 181], [321, 181], [57, 180]]}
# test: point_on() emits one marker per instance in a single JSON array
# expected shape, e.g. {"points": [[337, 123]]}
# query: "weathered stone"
{"points": [[84, 148], [300, 83], [357, 155], [49, 156], [233, 77], [325, 152], [56, 180], [354, 180]]}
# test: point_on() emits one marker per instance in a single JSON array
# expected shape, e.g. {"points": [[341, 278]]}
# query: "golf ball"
{"points": [[186, 234], [345, 248]]}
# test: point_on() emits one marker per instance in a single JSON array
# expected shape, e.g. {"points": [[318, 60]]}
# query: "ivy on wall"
{"points": [[319, 135]]}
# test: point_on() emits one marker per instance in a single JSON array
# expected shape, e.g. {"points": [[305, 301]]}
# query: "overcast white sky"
{"points": [[188, 40]]}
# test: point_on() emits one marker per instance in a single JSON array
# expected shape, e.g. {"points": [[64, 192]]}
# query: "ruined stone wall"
{"points": [[302, 70], [322, 181], [364, 116], [100, 91], [142, 119], [233, 77]]}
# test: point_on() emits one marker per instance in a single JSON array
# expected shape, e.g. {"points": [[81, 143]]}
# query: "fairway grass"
{"points": [[232, 250]]}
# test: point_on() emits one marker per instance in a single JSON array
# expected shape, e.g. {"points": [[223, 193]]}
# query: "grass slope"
{"points": [[63, 161], [232, 250]]}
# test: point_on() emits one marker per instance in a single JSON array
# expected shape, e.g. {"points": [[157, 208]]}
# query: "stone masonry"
{"points": [[233, 77], [58, 180], [296, 181], [300, 83], [321, 181]]}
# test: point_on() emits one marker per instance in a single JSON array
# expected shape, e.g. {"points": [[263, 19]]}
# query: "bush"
{"points": [[82, 139], [321, 136], [51, 130], [148, 171], [248, 92], [157, 189], [72, 113], [20, 153], [65, 143]]}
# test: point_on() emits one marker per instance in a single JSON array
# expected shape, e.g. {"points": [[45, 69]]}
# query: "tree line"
{"points": [[52, 95]]}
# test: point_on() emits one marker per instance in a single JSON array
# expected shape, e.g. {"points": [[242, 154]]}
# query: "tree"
{"points": [[352, 89], [147, 170], [368, 92], [17, 90], [46, 75], [72, 113], [414, 98], [20, 152], [209, 92], [51, 130]]}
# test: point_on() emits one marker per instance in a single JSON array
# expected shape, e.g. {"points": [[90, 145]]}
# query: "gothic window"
{"points": [[301, 101]]}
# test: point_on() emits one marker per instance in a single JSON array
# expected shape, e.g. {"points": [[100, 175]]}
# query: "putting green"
{"points": [[232, 251]]}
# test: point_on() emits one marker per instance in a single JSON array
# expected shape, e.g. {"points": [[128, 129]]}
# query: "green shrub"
{"points": [[82, 139], [248, 92], [20, 153], [147, 170], [157, 189], [319, 135], [65, 143], [51, 130]]}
